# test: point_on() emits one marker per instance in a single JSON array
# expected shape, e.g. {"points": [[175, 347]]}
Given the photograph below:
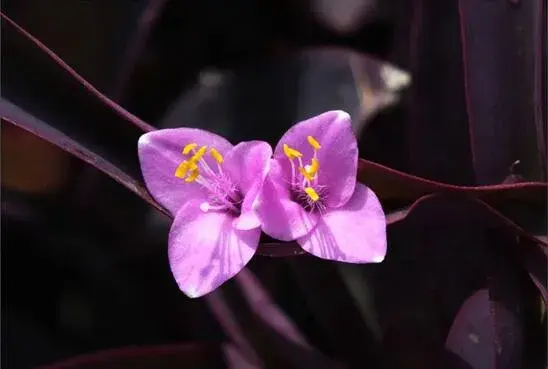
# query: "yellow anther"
{"points": [[314, 167], [184, 167], [193, 175], [181, 170], [306, 174], [291, 153], [192, 165], [311, 193], [314, 143], [309, 171], [199, 154], [188, 148], [216, 155]]}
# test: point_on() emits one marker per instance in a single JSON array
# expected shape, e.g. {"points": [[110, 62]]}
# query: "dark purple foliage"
{"points": [[458, 159]]}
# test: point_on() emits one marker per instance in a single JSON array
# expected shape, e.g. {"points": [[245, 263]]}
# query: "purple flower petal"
{"points": [[281, 217], [246, 221], [354, 233], [205, 250], [247, 164], [160, 155], [338, 156]]}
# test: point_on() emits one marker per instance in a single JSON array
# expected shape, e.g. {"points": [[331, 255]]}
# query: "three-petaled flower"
{"points": [[210, 187], [311, 194], [222, 196]]}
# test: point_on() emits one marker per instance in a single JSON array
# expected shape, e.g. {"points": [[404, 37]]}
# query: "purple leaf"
{"points": [[504, 101], [471, 110], [437, 138], [486, 334], [12, 114]]}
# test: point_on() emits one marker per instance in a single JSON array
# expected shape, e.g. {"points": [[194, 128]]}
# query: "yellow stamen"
{"points": [[314, 167], [181, 170], [188, 148], [306, 174], [184, 168], [291, 153], [314, 143], [193, 175], [199, 154], [311, 193], [216, 155]]}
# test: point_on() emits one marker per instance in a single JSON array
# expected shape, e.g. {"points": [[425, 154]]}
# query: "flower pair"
{"points": [[222, 197]]}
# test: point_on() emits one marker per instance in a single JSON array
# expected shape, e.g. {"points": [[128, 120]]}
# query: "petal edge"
{"points": [[354, 233], [205, 250], [160, 154]]}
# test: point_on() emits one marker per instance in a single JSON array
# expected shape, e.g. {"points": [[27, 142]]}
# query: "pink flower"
{"points": [[311, 195], [222, 195], [211, 188]]}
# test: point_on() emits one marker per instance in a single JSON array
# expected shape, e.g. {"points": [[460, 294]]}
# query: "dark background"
{"points": [[84, 264]]}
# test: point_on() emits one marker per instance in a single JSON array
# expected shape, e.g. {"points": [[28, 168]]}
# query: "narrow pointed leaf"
{"points": [[503, 98], [12, 114]]}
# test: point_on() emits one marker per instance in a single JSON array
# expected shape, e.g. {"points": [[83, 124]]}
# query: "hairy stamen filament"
{"points": [[226, 203], [292, 154], [218, 158], [292, 172]]}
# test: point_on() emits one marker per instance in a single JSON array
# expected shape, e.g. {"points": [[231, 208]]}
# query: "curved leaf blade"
{"points": [[485, 334], [14, 115]]}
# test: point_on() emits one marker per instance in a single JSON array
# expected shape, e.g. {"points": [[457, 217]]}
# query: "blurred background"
{"points": [[451, 91]]}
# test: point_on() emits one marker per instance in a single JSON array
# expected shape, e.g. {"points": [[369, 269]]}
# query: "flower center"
{"points": [[304, 186], [223, 194]]}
